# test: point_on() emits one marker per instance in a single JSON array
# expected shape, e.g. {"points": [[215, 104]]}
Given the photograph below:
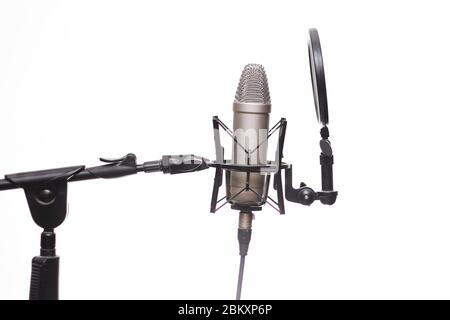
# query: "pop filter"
{"points": [[321, 102], [318, 76]]}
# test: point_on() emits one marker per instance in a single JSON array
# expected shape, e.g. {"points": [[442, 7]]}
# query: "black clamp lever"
{"points": [[115, 168]]}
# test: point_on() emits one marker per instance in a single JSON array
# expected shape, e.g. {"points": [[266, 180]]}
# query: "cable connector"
{"points": [[244, 231], [173, 164], [183, 163]]}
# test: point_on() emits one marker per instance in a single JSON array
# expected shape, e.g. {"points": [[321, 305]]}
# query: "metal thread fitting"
{"points": [[245, 220]]}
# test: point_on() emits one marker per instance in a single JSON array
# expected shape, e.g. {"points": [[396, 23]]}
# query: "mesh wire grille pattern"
{"points": [[253, 86]]}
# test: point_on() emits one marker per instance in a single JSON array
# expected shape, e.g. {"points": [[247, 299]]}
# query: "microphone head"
{"points": [[253, 86]]}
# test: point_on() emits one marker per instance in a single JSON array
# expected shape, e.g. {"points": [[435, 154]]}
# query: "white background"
{"points": [[84, 79]]}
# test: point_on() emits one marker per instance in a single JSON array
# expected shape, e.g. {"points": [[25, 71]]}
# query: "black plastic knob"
{"points": [[306, 196]]}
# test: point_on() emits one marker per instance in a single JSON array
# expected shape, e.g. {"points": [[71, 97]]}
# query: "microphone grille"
{"points": [[253, 86]]}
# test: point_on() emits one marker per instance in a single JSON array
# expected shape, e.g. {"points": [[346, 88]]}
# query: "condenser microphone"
{"points": [[251, 109], [248, 190]]}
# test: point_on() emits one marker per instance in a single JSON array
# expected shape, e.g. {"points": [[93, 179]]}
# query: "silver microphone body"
{"points": [[251, 110]]}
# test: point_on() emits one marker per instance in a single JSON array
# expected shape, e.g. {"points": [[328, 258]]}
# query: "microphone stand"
{"points": [[46, 194]]}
